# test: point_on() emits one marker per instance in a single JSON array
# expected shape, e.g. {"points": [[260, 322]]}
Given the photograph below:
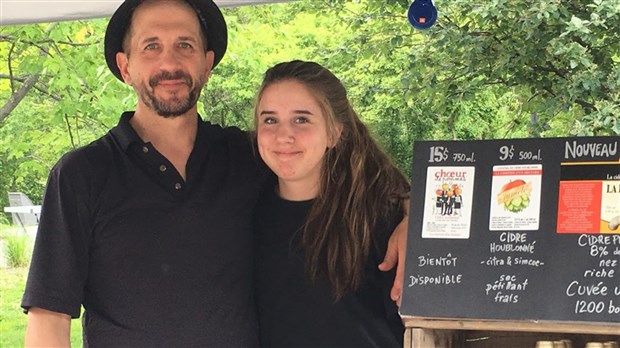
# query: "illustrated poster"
{"points": [[515, 200], [447, 207]]}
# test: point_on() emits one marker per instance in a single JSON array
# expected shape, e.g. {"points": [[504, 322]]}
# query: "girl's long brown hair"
{"points": [[359, 183]]}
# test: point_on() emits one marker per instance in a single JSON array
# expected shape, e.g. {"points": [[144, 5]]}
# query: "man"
{"points": [[149, 227]]}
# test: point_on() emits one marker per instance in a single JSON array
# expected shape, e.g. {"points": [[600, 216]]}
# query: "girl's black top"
{"points": [[293, 312]]}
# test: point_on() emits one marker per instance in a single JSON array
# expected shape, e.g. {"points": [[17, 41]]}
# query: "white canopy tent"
{"points": [[39, 11]]}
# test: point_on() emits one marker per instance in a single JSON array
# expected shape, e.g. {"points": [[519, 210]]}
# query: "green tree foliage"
{"points": [[564, 52], [486, 69], [558, 60], [56, 96]]}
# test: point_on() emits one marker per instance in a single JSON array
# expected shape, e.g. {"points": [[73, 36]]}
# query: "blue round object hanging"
{"points": [[422, 14]]}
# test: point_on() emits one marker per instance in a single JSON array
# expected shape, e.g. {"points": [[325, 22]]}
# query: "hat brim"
{"points": [[209, 15]]}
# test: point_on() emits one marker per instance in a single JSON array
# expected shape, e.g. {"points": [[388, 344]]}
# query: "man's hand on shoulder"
{"points": [[395, 254]]}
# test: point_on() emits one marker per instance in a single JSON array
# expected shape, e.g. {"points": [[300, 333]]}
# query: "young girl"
{"points": [[324, 226]]}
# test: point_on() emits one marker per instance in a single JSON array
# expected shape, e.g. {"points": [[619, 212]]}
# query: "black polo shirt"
{"points": [[154, 260]]}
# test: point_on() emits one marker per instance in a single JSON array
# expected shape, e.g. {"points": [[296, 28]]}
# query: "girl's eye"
{"points": [[270, 120], [301, 120]]}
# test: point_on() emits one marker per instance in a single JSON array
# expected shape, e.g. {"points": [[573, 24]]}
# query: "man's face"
{"points": [[165, 61]]}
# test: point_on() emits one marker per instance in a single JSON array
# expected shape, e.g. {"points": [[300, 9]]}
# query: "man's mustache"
{"points": [[166, 75]]}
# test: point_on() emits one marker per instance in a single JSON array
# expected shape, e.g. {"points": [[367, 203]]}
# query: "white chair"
{"points": [[19, 199]]}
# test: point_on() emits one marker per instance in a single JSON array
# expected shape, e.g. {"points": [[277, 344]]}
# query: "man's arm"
{"points": [[395, 254], [47, 329]]}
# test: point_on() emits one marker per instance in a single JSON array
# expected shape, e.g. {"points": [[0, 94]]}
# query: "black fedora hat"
{"points": [[209, 15]]}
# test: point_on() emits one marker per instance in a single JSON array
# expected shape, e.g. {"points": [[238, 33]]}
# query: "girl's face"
{"points": [[292, 135]]}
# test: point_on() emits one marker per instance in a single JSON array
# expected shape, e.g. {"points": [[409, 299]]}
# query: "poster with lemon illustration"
{"points": [[515, 197]]}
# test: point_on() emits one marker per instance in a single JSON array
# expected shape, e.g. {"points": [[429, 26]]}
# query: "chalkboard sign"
{"points": [[518, 229]]}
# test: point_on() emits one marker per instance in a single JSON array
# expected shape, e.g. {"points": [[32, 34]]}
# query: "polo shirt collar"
{"points": [[124, 132], [126, 135]]}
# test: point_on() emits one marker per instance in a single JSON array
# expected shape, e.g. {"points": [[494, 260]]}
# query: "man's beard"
{"points": [[175, 106]]}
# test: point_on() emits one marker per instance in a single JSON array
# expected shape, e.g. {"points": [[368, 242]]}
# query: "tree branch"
{"points": [[18, 96], [10, 38], [23, 79], [585, 104], [550, 68], [66, 118]]}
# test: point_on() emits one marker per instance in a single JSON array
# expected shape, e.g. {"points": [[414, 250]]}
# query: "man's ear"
{"points": [[210, 57], [122, 62]]}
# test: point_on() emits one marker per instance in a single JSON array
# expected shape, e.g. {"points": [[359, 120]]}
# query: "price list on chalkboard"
{"points": [[518, 229]]}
